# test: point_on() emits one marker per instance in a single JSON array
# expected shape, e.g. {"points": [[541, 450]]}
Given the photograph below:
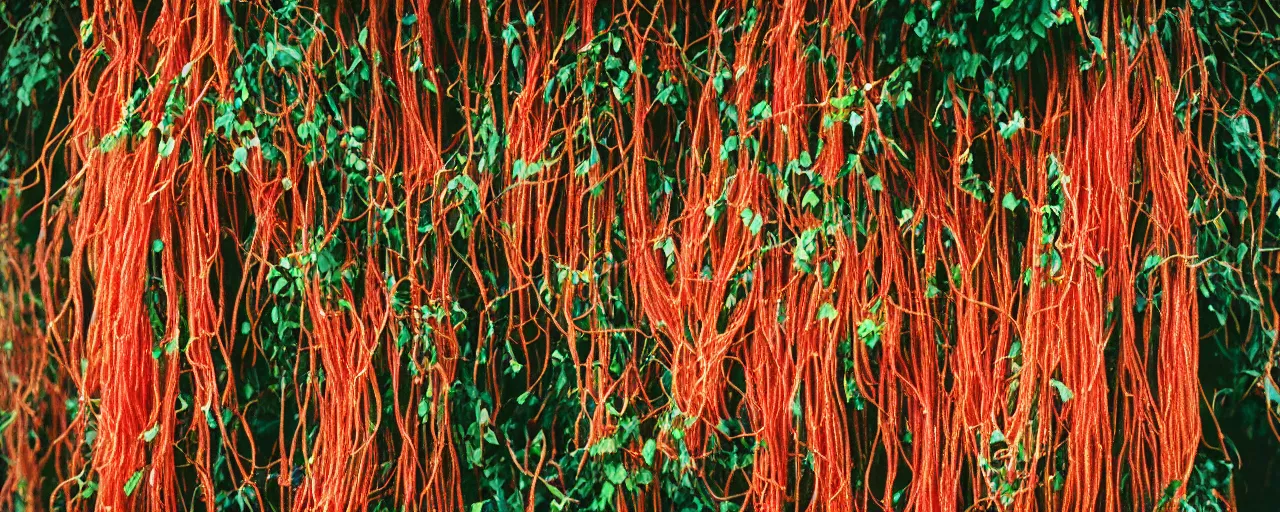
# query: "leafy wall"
{"points": [[593, 255]]}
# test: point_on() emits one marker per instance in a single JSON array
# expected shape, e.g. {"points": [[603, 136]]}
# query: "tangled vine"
{"points": [[631, 255]]}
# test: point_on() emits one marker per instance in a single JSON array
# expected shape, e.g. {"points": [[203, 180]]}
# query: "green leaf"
{"points": [[509, 34], [827, 312], [133, 482], [287, 57], [1151, 262], [907, 215], [1009, 202], [997, 437], [753, 220], [86, 30], [1064, 392], [809, 199], [616, 473], [157, 245], [664, 95], [1273, 394], [1169, 492], [730, 145], [761, 110], [855, 120], [1011, 128], [166, 147], [151, 433], [931, 290], [869, 332]]}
